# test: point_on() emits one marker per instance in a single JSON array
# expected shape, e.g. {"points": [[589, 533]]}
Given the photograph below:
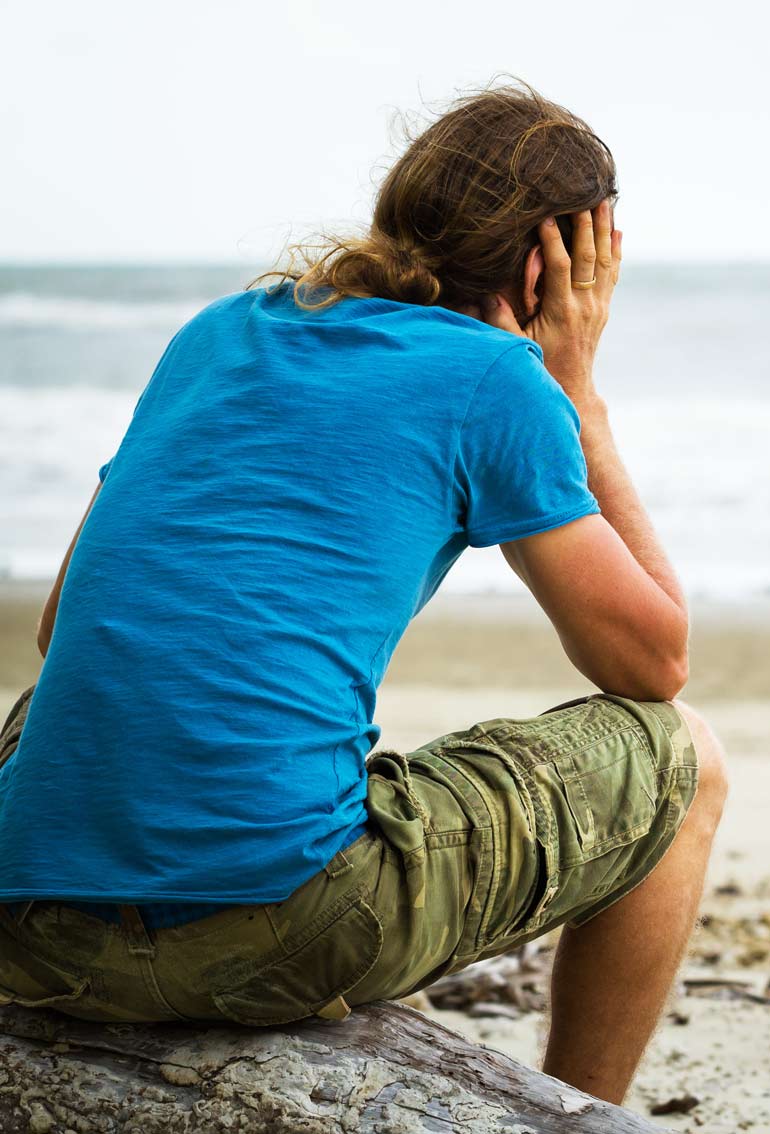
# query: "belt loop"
{"points": [[403, 763], [135, 931], [339, 864]]}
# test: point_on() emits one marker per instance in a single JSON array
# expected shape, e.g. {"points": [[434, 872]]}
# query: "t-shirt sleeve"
{"points": [[520, 467], [105, 468]]}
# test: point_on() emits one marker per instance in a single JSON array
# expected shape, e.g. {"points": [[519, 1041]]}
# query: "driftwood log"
{"points": [[386, 1069]]}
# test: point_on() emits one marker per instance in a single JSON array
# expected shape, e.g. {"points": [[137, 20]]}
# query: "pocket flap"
{"points": [[299, 983], [611, 792], [43, 1000]]}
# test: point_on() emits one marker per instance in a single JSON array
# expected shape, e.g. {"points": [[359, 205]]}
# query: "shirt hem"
{"points": [[486, 537], [223, 898]]}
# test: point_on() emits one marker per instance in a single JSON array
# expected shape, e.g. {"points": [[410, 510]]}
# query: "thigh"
{"points": [[454, 821], [610, 780], [498, 833]]}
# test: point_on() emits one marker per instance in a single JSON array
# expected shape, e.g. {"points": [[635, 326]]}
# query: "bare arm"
{"points": [[611, 484], [48, 617], [604, 581], [618, 626]]}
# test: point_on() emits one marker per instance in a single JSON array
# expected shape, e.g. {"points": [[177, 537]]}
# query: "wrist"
{"points": [[576, 380], [592, 410]]}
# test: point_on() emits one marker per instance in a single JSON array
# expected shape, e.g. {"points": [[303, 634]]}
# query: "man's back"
{"points": [[291, 490]]}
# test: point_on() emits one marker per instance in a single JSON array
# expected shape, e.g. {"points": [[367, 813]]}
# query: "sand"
{"points": [[467, 659]]}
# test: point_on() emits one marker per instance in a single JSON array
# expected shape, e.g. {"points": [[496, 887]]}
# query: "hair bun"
{"points": [[409, 253], [457, 214], [409, 272]]}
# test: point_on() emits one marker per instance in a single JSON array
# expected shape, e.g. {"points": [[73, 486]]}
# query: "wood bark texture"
{"points": [[386, 1069]]}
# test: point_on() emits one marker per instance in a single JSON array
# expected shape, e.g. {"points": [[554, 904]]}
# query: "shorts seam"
{"points": [[670, 730], [469, 780], [630, 726], [580, 776], [620, 839], [579, 750], [486, 882], [661, 717], [683, 775], [436, 835]]}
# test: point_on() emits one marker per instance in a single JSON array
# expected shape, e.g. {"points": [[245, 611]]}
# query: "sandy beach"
{"points": [[467, 659]]}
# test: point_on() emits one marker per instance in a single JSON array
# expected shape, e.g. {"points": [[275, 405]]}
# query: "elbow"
{"points": [[665, 679], [672, 678], [667, 671], [676, 668], [661, 679], [653, 666]]}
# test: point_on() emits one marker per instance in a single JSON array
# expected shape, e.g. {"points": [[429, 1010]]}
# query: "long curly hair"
{"points": [[457, 214]]}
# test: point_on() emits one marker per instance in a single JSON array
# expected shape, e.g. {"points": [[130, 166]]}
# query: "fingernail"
{"points": [[550, 220]]}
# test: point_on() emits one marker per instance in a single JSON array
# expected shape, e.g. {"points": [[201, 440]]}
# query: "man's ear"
{"points": [[532, 291], [525, 300]]}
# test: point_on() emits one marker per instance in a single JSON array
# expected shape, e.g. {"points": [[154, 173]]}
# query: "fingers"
{"points": [[596, 251], [617, 254], [602, 222], [557, 285], [583, 247]]}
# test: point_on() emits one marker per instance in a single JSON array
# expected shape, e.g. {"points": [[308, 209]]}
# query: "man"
{"points": [[483, 838]]}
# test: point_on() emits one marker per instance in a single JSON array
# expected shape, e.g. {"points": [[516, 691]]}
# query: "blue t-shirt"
{"points": [[291, 490]]}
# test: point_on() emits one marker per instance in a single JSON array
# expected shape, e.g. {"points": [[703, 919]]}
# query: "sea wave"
{"points": [[700, 467], [23, 309]]}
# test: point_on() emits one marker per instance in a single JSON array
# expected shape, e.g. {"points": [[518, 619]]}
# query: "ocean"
{"points": [[684, 364]]}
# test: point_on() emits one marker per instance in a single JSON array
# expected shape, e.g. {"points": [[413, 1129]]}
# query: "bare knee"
{"points": [[713, 782]]}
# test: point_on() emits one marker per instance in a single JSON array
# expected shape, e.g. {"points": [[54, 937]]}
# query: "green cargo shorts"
{"points": [[478, 841]]}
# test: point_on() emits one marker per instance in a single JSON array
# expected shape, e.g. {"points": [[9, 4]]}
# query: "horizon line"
{"points": [[189, 262]]}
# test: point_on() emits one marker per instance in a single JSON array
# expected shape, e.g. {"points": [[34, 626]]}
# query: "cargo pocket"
{"points": [[610, 791], [319, 964], [64, 988]]}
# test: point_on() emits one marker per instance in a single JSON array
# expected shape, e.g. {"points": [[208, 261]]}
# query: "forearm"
{"points": [[611, 484]]}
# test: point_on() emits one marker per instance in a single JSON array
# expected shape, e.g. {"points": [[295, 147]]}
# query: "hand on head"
{"points": [[569, 319]]}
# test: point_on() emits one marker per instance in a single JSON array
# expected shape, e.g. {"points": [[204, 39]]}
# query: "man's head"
{"points": [[456, 216]]}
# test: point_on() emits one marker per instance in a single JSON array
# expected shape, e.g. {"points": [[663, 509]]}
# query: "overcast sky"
{"points": [[182, 129]]}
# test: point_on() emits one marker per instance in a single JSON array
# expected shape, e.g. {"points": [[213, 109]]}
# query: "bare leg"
{"points": [[612, 975]]}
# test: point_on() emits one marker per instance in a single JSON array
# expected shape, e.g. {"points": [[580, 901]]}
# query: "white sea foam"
{"points": [[701, 471], [684, 365], [22, 309]]}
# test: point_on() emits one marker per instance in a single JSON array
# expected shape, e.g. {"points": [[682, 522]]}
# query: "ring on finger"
{"points": [[584, 283]]}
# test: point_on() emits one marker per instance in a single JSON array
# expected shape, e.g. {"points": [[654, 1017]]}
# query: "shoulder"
{"points": [[517, 368], [516, 391], [213, 319], [462, 338], [223, 306]]}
